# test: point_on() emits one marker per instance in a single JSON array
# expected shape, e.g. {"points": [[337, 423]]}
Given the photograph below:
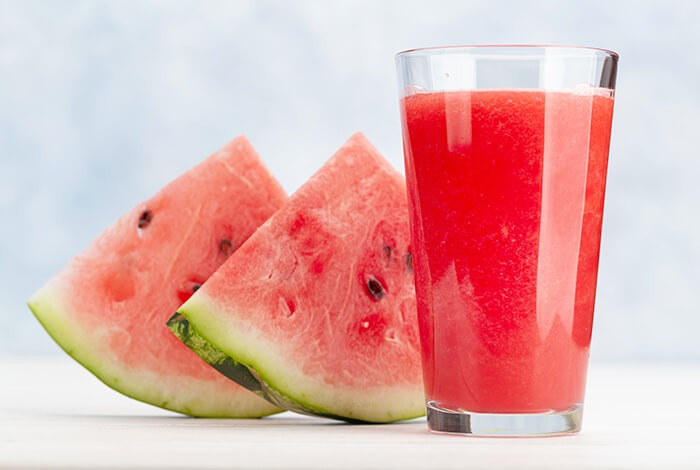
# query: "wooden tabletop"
{"points": [[54, 414]]}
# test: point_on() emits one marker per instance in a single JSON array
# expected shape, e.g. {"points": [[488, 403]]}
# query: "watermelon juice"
{"points": [[506, 192]]}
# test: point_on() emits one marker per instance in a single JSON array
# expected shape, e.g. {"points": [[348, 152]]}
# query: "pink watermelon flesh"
{"points": [[319, 305], [109, 306]]}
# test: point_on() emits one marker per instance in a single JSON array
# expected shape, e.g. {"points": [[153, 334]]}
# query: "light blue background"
{"points": [[102, 103]]}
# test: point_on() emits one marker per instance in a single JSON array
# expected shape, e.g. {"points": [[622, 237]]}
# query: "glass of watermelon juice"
{"points": [[506, 151]]}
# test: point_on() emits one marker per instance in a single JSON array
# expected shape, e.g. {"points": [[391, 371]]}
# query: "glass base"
{"points": [[554, 423]]}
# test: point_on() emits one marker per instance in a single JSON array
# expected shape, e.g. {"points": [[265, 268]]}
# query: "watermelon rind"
{"points": [[205, 402], [241, 374], [274, 377], [236, 371]]}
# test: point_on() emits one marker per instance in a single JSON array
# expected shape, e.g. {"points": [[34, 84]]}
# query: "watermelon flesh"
{"points": [[316, 310], [108, 307]]}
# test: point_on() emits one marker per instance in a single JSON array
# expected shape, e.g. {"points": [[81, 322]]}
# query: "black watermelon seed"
{"points": [[195, 287], [386, 250], [226, 247], [409, 262], [145, 219], [375, 288]]}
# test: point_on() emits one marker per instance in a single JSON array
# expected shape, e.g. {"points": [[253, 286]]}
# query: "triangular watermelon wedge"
{"points": [[108, 307], [316, 311]]}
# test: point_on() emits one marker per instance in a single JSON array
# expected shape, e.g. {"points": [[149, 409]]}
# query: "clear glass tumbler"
{"points": [[506, 151]]}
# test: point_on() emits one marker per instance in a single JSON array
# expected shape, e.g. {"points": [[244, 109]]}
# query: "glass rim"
{"points": [[484, 48]]}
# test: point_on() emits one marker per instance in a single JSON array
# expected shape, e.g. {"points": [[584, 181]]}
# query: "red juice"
{"points": [[506, 191]]}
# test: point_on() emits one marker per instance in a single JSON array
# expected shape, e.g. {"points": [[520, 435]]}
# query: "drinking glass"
{"points": [[506, 151]]}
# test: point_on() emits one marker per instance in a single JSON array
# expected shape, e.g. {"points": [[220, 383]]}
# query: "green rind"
{"points": [[51, 313], [180, 327], [239, 373], [202, 321]]}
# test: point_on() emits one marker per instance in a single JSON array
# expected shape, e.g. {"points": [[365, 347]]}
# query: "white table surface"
{"points": [[54, 414]]}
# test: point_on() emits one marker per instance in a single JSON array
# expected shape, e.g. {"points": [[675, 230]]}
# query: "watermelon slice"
{"points": [[109, 306], [316, 311]]}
